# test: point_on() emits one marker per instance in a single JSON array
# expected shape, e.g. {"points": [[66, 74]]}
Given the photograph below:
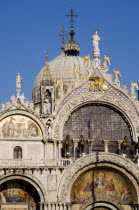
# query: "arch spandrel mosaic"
{"points": [[19, 127], [101, 184]]}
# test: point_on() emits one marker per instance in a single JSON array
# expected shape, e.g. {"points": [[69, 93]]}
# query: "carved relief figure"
{"points": [[52, 182]]}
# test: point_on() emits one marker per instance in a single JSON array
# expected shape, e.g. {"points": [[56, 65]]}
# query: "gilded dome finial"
{"points": [[72, 21], [71, 48]]}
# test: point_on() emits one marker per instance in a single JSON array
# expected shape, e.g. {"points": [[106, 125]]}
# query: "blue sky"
{"points": [[29, 27]]}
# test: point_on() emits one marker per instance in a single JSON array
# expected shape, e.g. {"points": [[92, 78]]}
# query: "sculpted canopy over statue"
{"points": [[18, 84], [96, 40]]}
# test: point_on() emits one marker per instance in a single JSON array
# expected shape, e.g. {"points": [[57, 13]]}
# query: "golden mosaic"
{"points": [[19, 127], [101, 183]]}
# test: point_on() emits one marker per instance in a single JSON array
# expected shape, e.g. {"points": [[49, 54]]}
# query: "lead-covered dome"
{"points": [[62, 67]]}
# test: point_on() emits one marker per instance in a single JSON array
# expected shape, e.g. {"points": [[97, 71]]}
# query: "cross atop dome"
{"points": [[72, 17]]}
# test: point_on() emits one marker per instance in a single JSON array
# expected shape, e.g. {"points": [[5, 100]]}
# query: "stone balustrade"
{"points": [[33, 163]]}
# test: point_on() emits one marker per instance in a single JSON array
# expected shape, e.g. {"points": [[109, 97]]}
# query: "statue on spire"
{"points": [[96, 40], [18, 84]]}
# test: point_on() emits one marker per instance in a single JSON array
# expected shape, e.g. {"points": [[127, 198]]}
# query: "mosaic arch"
{"points": [[101, 183], [18, 191], [98, 122], [19, 127], [13, 195]]}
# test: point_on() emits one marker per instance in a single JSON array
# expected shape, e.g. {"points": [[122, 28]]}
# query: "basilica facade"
{"points": [[75, 146]]}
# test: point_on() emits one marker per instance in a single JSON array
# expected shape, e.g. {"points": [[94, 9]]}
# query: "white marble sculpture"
{"points": [[49, 129], [47, 106], [96, 40]]}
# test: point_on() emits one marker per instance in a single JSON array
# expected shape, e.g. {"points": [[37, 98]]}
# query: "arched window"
{"points": [[97, 122], [17, 152]]}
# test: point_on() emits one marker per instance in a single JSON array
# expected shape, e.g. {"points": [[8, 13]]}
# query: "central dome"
{"points": [[62, 67]]}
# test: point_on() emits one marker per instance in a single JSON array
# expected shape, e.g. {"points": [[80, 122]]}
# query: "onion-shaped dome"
{"points": [[71, 48]]}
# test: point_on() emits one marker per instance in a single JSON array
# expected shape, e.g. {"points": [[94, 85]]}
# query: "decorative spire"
{"points": [[18, 84], [96, 40], [71, 48], [47, 79]]}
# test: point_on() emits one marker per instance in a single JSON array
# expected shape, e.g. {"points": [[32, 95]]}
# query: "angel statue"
{"points": [[18, 84], [132, 89], [106, 61], [76, 76], [117, 74]]}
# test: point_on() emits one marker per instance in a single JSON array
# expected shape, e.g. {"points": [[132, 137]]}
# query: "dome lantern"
{"points": [[71, 48]]}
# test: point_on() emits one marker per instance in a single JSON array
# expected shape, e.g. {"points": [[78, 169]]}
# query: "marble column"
{"points": [[59, 149], [49, 206], [106, 143], [53, 206], [69, 207], [57, 206], [41, 206], [44, 150], [64, 207], [75, 141], [119, 145], [55, 152], [60, 207], [91, 145], [45, 206]]}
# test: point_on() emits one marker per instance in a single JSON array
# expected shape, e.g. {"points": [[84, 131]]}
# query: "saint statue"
{"points": [[47, 106], [96, 40], [49, 129], [47, 102]]}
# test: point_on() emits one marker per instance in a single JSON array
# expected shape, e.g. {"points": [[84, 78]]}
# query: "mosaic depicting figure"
{"points": [[101, 183], [15, 195], [18, 126]]}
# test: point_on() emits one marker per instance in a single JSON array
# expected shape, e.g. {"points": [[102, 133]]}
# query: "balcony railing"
{"points": [[33, 163]]}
